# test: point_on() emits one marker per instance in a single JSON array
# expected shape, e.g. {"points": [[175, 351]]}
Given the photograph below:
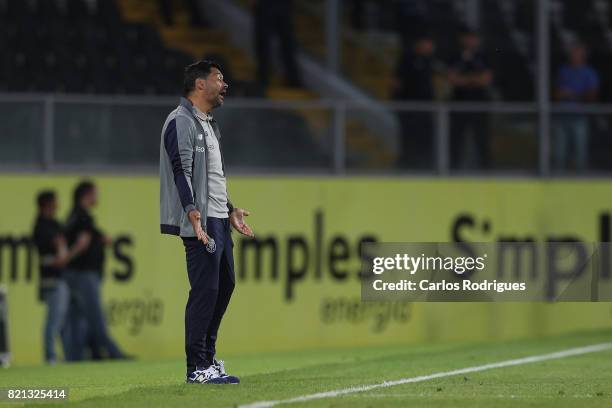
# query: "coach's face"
{"points": [[216, 88]]}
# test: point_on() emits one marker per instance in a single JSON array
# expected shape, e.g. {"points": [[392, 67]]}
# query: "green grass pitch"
{"points": [[577, 381]]}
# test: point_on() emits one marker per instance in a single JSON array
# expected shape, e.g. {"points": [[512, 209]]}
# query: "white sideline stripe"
{"points": [[508, 363]]}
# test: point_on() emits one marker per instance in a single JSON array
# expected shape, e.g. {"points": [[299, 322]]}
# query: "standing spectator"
{"points": [[53, 256], [577, 83], [274, 18], [471, 77], [414, 81], [84, 275]]}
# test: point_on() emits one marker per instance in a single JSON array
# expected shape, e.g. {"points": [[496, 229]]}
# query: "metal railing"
{"points": [[122, 134]]}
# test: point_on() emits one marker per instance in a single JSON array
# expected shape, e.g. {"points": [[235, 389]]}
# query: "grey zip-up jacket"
{"points": [[183, 176]]}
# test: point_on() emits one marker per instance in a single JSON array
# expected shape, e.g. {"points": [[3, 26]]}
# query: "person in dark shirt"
{"points": [[84, 274], [53, 256], [274, 18], [577, 84], [471, 78], [414, 82], [92, 258]]}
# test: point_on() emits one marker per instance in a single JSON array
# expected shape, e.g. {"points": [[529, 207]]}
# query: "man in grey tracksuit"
{"points": [[194, 204]]}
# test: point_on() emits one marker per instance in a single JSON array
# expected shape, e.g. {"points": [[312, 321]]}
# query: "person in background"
{"points": [[471, 78], [274, 18], [84, 274], [577, 83], [414, 82], [53, 254]]}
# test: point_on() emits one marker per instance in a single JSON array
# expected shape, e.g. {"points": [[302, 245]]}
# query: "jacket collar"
{"points": [[202, 115], [186, 103]]}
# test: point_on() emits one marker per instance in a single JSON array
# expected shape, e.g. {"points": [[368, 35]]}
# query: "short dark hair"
{"points": [[81, 190], [44, 198], [197, 70]]}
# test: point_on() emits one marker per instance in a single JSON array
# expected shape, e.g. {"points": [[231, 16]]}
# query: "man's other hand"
{"points": [[237, 221]]}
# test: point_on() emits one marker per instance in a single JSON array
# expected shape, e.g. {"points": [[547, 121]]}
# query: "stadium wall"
{"points": [[297, 284]]}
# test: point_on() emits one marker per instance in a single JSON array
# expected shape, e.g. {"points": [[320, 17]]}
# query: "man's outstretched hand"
{"points": [[194, 218], [237, 221]]}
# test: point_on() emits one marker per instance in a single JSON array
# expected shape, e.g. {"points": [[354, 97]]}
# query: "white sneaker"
{"points": [[209, 375], [220, 366]]}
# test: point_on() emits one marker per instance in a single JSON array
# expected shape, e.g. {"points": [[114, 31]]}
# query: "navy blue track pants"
{"points": [[212, 281]]}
